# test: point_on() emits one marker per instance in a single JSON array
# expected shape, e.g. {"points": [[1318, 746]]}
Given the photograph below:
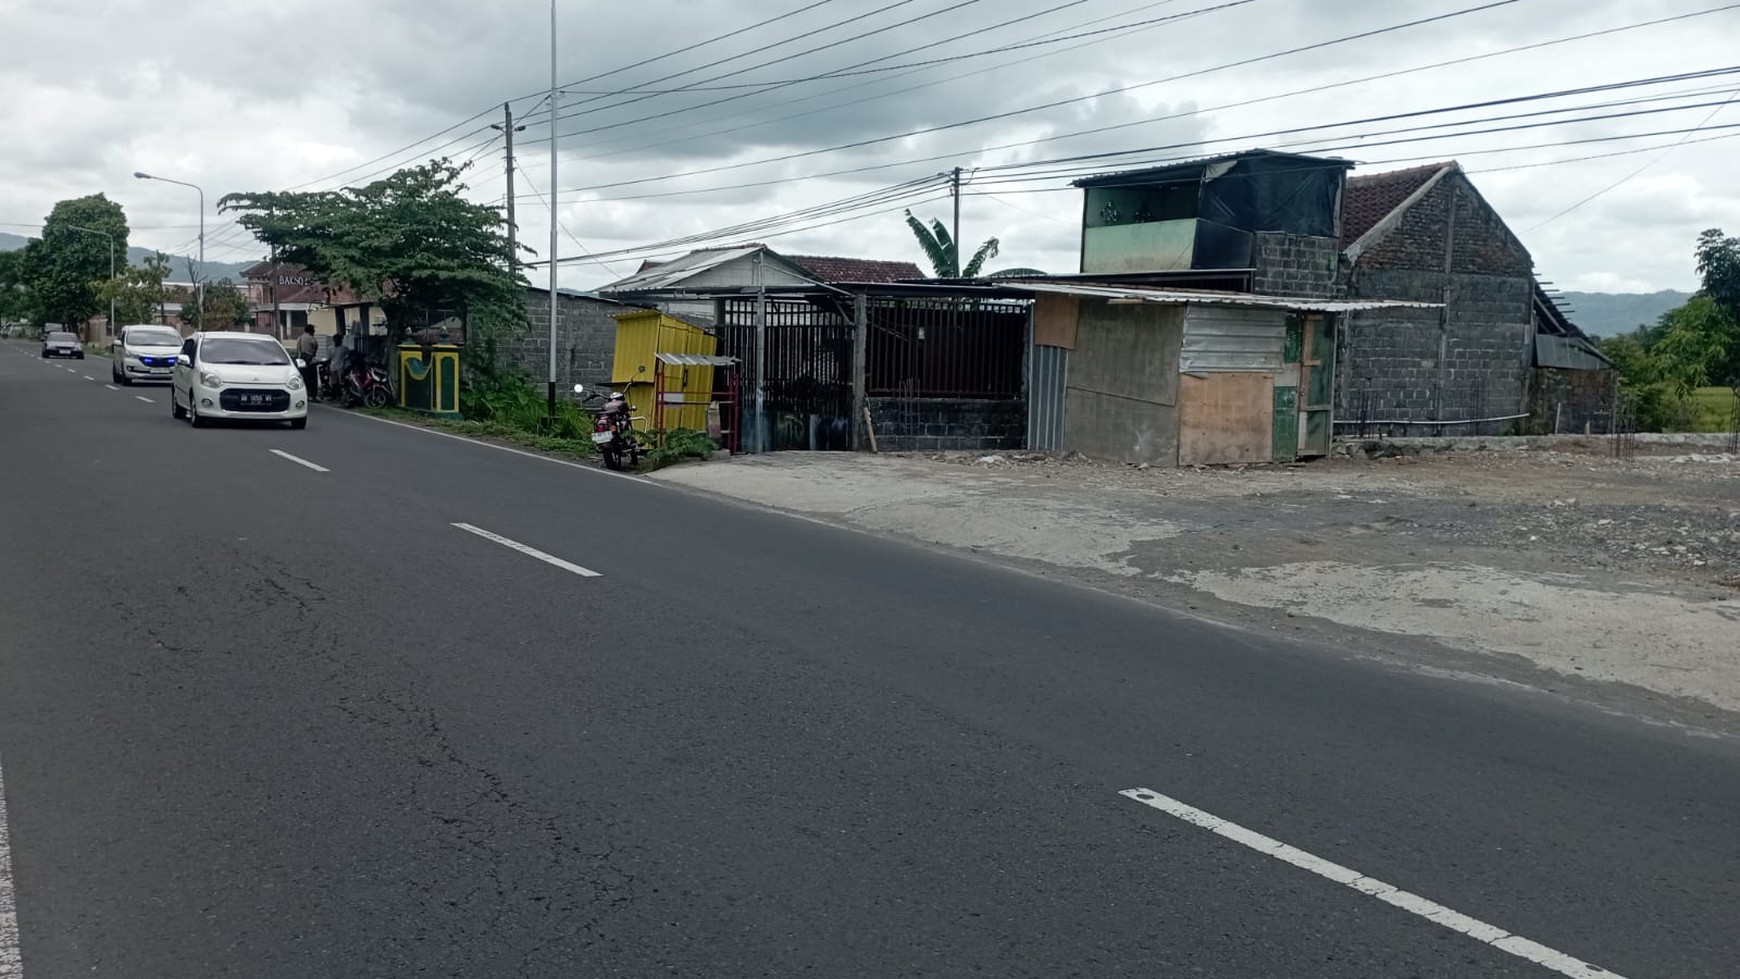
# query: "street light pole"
{"points": [[199, 297], [111, 238]]}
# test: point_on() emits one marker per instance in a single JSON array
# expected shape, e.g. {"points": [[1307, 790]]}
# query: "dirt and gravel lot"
{"points": [[1544, 562]]}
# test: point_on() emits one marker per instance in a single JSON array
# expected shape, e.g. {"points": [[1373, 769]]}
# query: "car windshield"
{"points": [[60, 337], [224, 350], [153, 338]]}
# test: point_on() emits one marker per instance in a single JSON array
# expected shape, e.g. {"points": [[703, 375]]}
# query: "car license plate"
{"points": [[255, 400], [159, 370], [599, 438]]}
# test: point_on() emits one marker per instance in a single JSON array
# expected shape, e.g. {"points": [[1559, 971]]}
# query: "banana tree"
{"points": [[944, 254]]}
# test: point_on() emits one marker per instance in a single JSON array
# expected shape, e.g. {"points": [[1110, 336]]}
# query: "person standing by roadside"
{"points": [[307, 347]]}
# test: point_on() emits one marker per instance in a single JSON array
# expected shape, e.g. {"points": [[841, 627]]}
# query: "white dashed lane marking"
{"points": [[529, 551], [1432, 911]]}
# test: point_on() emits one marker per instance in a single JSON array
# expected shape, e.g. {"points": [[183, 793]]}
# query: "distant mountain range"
{"points": [[1606, 314], [178, 265]]}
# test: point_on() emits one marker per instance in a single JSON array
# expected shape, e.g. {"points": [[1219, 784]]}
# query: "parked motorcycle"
{"points": [[613, 429], [366, 384]]}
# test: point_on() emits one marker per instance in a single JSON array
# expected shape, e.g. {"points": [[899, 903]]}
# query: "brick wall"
{"points": [[1470, 360], [1295, 265], [585, 340], [1482, 243], [942, 424]]}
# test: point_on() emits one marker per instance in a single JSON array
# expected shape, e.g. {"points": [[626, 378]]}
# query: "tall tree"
{"points": [[15, 298], [409, 242], [945, 257], [226, 307], [138, 291], [64, 267]]}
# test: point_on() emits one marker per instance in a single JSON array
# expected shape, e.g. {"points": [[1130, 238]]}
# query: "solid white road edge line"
{"points": [[502, 448], [280, 453], [11, 953], [141, 397], [529, 551], [1432, 911]]}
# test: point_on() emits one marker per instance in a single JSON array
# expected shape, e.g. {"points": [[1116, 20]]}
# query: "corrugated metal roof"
{"points": [[696, 360], [1223, 338], [1569, 353], [1184, 297], [1183, 168], [671, 273]]}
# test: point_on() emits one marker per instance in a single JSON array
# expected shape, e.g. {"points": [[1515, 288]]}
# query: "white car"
{"points": [[143, 353], [237, 376]]}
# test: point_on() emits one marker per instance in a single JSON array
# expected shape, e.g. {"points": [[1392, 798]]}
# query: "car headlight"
{"points": [[294, 384], [211, 380]]}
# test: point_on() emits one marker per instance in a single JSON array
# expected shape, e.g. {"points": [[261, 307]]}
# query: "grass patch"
{"points": [[1711, 409], [492, 431]]}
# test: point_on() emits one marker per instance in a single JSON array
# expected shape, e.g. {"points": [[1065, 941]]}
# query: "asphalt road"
{"points": [[266, 721]]}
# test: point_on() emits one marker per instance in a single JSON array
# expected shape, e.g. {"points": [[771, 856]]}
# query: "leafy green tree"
{"points": [[1699, 345], [64, 267], [15, 298], [226, 307], [945, 260], [138, 292], [408, 242], [1719, 348]]}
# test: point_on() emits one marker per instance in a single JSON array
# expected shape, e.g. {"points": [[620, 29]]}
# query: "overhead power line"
{"points": [[632, 142], [1058, 103], [855, 18]]}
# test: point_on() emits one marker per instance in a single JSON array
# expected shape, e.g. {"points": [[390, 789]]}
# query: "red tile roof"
{"points": [[830, 269], [1369, 198]]}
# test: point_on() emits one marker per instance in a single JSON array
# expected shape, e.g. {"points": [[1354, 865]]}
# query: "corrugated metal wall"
{"points": [[1220, 338], [1045, 398]]}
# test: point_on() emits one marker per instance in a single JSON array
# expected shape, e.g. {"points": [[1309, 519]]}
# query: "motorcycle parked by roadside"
{"points": [[366, 384], [613, 429]]}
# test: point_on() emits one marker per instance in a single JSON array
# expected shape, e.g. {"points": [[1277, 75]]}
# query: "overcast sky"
{"points": [[270, 96]]}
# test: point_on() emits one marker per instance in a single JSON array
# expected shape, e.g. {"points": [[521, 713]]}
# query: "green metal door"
{"points": [[1317, 386]]}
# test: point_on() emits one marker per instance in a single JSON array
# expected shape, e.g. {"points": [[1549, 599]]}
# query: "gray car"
{"points": [[62, 345]]}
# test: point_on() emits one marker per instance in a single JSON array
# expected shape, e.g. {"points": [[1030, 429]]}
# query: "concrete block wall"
{"points": [[1419, 365], [949, 424], [585, 340], [1471, 360], [1296, 265]]}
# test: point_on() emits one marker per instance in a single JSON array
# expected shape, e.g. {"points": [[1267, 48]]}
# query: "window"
{"points": [[188, 348], [146, 336], [234, 350]]}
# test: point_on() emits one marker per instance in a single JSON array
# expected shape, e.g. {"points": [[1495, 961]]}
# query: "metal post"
{"points": [[860, 367], [199, 294], [277, 309], [554, 185], [760, 442], [955, 184], [199, 314]]}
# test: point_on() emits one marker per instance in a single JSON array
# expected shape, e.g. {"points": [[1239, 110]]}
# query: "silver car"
{"points": [[144, 353], [62, 345]]}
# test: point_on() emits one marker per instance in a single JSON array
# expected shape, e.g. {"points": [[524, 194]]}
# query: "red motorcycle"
{"points": [[613, 430]]}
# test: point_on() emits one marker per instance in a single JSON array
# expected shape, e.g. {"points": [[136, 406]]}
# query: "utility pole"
{"points": [[955, 188], [508, 129], [555, 183]]}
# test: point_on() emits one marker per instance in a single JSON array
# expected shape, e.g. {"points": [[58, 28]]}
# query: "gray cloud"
{"points": [[203, 93]]}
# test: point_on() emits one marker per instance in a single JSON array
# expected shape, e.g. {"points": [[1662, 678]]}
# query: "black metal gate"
{"points": [[807, 393]]}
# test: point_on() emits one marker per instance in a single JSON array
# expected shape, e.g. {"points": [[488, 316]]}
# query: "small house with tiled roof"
{"points": [[1480, 362]]}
